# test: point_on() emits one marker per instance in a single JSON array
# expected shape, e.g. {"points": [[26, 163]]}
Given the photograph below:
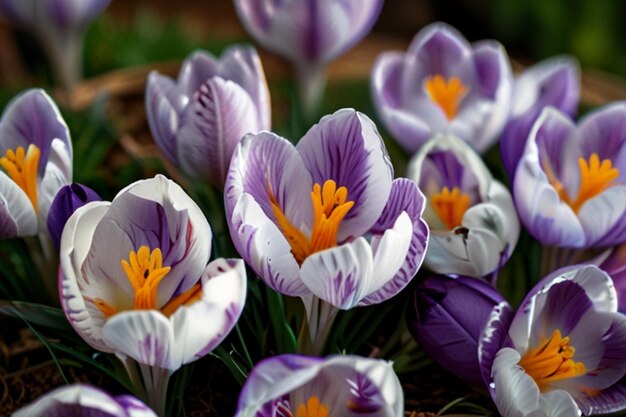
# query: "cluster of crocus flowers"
{"points": [[309, 33], [472, 218], [35, 162], [569, 187], [442, 84], [80, 400], [59, 26], [198, 119], [325, 220], [136, 281], [305, 386]]}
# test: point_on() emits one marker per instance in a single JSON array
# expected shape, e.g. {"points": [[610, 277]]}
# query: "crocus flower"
{"points": [[198, 119], [554, 82], [442, 84], [569, 186], [325, 218], [294, 385], [309, 33], [65, 203], [447, 318], [135, 280], [564, 350], [80, 400], [59, 25], [472, 218], [35, 162], [613, 262]]}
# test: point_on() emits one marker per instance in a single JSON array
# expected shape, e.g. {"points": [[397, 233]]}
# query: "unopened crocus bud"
{"points": [[448, 316], [65, 203]]}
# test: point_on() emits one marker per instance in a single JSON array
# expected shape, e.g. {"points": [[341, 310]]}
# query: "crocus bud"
{"points": [[447, 318], [68, 199]]}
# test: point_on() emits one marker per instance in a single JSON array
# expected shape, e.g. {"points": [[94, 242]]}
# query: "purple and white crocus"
{"points": [[59, 26], [570, 185], [325, 220], [35, 162], [80, 400], [309, 33], [564, 351], [554, 82], [442, 84], [136, 281], [304, 386], [472, 218], [198, 119]]}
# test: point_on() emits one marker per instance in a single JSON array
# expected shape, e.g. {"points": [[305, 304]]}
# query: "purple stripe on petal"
{"points": [[604, 132], [493, 337], [566, 303], [8, 227], [610, 400], [65, 203]]}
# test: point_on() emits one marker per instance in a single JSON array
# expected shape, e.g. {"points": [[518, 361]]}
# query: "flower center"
{"points": [[595, 177], [450, 206], [22, 167], [313, 408], [552, 360], [447, 94], [144, 270], [330, 206]]}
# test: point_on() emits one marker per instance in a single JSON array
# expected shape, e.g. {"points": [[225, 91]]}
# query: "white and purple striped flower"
{"points": [[442, 84], [569, 187], [59, 25], [553, 82], [35, 162], [135, 280], [338, 386], [198, 119], [564, 351], [80, 400], [472, 218], [325, 217]]}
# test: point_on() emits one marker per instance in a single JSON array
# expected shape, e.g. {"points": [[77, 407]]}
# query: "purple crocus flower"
{"points": [[198, 119], [564, 351], [447, 318], [472, 218], [135, 280], [59, 25], [35, 162], [65, 203], [442, 84], [569, 186], [325, 220], [294, 385], [80, 400], [309, 33], [613, 262], [553, 82]]}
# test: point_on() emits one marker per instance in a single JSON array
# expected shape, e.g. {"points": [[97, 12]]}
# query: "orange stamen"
{"points": [[552, 360], [22, 167], [447, 94], [330, 207], [450, 206], [190, 296], [313, 408]]}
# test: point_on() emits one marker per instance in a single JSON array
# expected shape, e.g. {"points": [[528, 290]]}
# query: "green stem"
{"points": [[155, 381], [314, 334]]}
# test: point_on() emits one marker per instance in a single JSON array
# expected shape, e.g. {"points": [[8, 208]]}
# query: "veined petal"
{"points": [[58, 173], [493, 338], [342, 275], [516, 393], [147, 336], [216, 119], [18, 215], [347, 148], [65, 203], [164, 107], [558, 404], [610, 227], [223, 297], [405, 197]]}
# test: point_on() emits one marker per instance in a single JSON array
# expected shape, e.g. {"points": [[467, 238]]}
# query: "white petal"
{"points": [[517, 394], [18, 206], [558, 404], [57, 174]]}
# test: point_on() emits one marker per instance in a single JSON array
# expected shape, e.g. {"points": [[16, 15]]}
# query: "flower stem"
{"points": [[155, 381], [311, 83], [320, 318]]}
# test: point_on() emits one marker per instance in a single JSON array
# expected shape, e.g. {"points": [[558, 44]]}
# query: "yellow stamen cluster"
{"points": [[144, 270], [330, 206], [313, 408], [450, 206], [595, 177], [22, 165], [552, 360], [447, 94]]}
